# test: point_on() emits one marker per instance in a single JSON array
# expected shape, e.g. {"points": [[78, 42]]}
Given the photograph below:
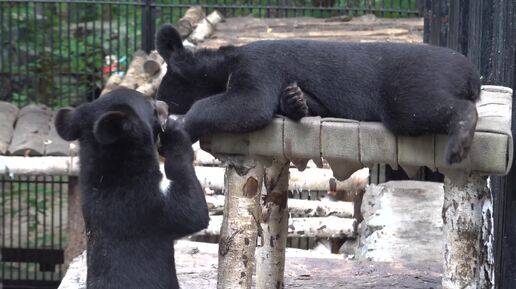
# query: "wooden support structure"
{"points": [[76, 231], [468, 233], [241, 223]]}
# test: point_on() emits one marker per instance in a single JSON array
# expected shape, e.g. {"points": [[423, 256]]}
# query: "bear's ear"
{"points": [[66, 124], [168, 41], [111, 126]]}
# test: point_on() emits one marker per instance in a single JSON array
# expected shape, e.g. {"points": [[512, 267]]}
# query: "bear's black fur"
{"points": [[412, 89], [130, 223]]}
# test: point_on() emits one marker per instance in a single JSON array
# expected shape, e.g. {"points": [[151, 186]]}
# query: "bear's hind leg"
{"points": [[437, 113], [461, 131]]}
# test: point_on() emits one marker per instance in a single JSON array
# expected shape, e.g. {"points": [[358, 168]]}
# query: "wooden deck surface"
{"points": [[197, 268], [242, 30]]}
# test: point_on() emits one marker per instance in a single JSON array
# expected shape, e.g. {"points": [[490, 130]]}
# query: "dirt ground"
{"points": [[197, 268], [241, 30]]}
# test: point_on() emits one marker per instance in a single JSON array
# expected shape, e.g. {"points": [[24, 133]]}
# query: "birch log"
{"points": [[206, 27], [467, 217], [301, 208], [210, 177], [152, 64], [237, 244], [112, 83], [270, 260], [151, 86], [135, 76], [325, 227]]}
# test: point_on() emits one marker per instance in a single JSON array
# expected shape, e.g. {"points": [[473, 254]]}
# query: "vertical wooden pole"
{"points": [[239, 231], [76, 235], [270, 265], [468, 233]]}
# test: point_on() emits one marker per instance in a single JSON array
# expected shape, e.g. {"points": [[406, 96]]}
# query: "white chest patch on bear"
{"points": [[164, 185]]}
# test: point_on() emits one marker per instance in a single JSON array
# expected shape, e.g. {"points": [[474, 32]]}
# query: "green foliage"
{"points": [[55, 51]]}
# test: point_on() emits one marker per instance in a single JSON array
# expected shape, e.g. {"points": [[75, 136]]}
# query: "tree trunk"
{"points": [[243, 180], [467, 217], [270, 265]]}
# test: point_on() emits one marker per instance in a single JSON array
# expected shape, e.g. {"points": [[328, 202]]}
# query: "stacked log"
{"points": [[145, 71], [206, 27], [187, 24]]}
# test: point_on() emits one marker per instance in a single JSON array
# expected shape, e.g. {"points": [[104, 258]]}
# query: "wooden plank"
{"points": [[31, 131], [8, 114]]}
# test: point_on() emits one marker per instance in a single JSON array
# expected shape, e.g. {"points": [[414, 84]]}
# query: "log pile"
{"points": [[145, 71]]}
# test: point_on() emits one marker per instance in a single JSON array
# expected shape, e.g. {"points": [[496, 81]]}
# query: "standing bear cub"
{"points": [[131, 224], [412, 89]]}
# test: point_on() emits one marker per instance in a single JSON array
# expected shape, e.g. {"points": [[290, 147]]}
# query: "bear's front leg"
{"points": [[185, 207], [238, 111]]}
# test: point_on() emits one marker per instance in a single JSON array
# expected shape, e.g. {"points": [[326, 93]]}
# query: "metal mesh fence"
{"points": [[59, 53], [33, 214]]}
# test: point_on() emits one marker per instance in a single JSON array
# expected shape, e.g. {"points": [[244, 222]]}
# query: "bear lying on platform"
{"points": [[412, 89], [131, 224]]}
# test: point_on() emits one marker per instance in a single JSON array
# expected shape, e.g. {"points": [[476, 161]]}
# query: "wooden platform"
{"points": [[197, 268], [242, 30]]}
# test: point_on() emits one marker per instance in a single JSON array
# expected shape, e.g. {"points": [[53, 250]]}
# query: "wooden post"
{"points": [[468, 225], [270, 265], [243, 180], [76, 235]]}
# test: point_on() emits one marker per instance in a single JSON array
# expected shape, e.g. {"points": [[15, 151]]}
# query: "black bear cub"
{"points": [[131, 224], [412, 89]]}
